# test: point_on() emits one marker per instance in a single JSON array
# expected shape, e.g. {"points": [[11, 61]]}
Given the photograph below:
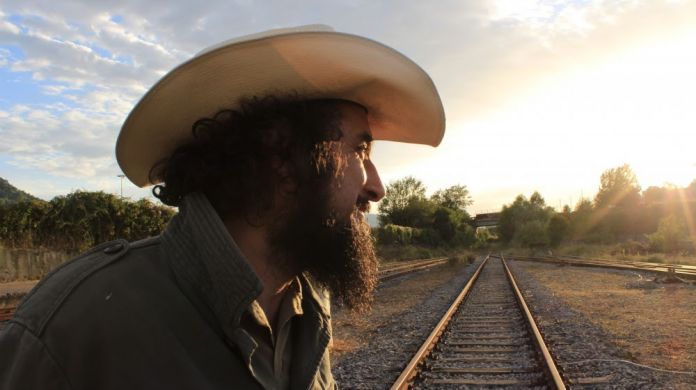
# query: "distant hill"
{"points": [[373, 220], [11, 194]]}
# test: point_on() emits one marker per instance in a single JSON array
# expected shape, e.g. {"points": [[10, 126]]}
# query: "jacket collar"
{"points": [[320, 296], [209, 265]]}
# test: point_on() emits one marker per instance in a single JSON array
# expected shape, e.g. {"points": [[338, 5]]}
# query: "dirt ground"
{"points": [[12, 292], [351, 332], [654, 322]]}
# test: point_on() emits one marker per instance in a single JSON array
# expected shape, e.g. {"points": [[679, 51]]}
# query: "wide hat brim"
{"points": [[402, 102]]}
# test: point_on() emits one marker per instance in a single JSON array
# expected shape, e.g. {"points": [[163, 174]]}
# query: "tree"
{"points": [[581, 220], [618, 203], [558, 229], [466, 235], [618, 188], [445, 223], [400, 195], [532, 234], [655, 195], [691, 190], [417, 213], [669, 234], [520, 212], [456, 197], [508, 218]]}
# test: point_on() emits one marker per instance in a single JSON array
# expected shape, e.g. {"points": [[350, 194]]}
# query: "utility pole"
{"points": [[121, 176]]}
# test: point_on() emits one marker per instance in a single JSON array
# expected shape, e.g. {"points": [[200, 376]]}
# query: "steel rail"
{"points": [[541, 345], [395, 266], [6, 313], [411, 368], [669, 269], [407, 269]]}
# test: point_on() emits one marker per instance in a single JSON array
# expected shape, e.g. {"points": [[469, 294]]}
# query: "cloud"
{"points": [[480, 67], [5, 56], [71, 143], [93, 60]]}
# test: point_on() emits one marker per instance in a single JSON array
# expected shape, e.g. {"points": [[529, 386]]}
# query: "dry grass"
{"points": [[614, 252], [655, 323], [353, 332]]}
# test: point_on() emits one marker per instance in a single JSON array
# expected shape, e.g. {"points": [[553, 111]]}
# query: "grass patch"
{"points": [[612, 252], [396, 252], [653, 325]]}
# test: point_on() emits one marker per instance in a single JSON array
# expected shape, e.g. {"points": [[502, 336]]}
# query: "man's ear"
{"points": [[286, 185]]}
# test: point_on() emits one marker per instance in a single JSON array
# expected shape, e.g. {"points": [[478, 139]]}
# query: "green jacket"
{"points": [[161, 313]]}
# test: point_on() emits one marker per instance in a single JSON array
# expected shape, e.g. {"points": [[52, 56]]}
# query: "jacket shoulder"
{"points": [[44, 300]]}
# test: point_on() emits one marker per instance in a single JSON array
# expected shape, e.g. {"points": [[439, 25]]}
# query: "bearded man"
{"points": [[263, 143]]}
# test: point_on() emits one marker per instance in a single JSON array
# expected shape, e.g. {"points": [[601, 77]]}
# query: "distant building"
{"points": [[486, 220]]}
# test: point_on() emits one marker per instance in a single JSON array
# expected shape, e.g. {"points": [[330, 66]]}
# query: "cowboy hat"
{"points": [[313, 61]]}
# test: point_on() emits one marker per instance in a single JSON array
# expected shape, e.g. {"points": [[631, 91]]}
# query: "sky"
{"points": [[539, 95]]}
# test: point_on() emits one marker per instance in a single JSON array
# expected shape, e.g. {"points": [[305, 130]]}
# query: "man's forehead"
{"points": [[354, 123]]}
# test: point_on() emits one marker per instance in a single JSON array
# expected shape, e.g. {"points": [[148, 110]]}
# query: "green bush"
{"points": [[483, 237], [532, 234], [395, 234], [428, 237], [465, 236], [630, 248], [445, 223], [655, 259], [79, 220], [670, 233]]}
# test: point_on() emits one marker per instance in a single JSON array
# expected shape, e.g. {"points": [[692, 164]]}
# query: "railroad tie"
{"points": [[484, 382], [485, 370]]}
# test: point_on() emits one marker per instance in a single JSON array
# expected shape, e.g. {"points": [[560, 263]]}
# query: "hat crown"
{"points": [[312, 61], [309, 28]]}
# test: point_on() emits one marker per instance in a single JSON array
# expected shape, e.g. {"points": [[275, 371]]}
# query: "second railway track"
{"points": [[486, 339]]}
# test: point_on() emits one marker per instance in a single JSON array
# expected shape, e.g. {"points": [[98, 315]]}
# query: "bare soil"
{"points": [[655, 323], [11, 293]]}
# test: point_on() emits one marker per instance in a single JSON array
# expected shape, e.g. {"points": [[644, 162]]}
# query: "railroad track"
{"points": [[396, 271], [486, 338], [6, 313], [679, 270]]}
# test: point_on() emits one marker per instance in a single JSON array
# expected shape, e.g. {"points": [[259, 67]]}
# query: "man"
{"points": [[263, 143]]}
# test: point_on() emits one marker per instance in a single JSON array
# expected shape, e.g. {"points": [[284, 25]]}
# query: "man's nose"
{"points": [[373, 189]]}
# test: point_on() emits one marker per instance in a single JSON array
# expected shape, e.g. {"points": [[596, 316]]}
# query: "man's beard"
{"points": [[338, 254]]}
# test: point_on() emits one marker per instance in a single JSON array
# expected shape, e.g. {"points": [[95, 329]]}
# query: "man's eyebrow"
{"points": [[366, 137]]}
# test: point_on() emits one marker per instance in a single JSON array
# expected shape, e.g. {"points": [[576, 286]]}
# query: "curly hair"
{"points": [[234, 157]]}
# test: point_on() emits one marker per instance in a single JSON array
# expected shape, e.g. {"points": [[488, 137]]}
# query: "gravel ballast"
{"points": [[583, 350], [392, 344]]}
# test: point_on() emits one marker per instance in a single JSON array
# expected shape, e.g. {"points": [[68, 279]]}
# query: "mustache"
{"points": [[363, 204]]}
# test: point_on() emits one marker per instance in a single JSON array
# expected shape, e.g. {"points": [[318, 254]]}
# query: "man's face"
{"points": [[327, 235], [358, 182]]}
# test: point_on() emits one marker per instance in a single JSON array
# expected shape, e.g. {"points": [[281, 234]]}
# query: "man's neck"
{"points": [[253, 243]]}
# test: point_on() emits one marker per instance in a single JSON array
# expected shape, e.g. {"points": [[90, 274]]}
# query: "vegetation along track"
{"points": [[486, 338]]}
